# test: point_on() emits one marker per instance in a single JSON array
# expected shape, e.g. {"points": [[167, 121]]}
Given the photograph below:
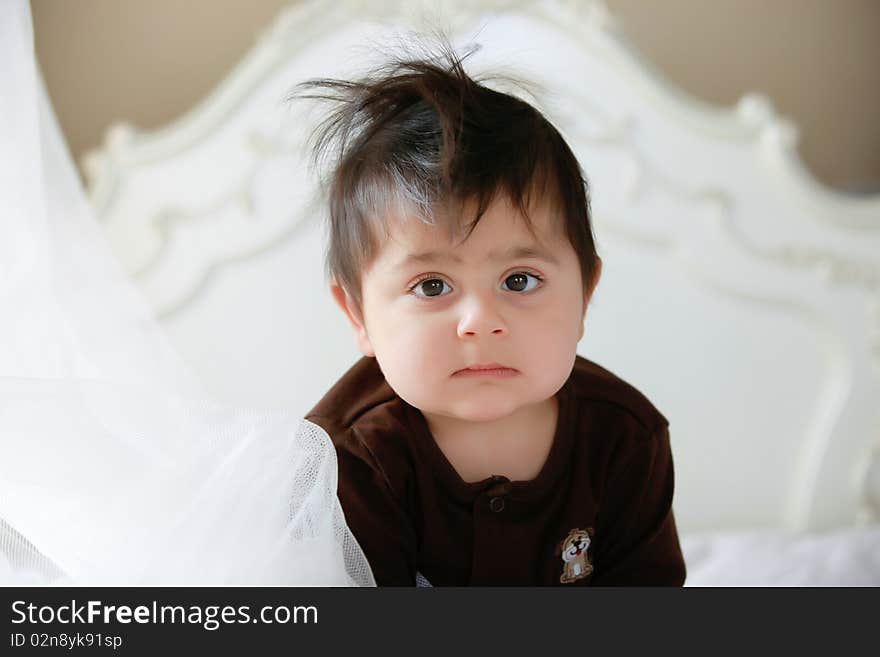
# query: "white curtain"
{"points": [[115, 466]]}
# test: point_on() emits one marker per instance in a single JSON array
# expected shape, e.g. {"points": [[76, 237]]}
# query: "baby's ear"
{"points": [[588, 294], [355, 318]]}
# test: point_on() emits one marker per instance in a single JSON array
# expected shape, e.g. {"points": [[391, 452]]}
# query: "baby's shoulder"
{"points": [[593, 384], [365, 419]]}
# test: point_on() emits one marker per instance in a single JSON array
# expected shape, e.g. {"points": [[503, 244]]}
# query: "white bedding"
{"points": [[846, 557]]}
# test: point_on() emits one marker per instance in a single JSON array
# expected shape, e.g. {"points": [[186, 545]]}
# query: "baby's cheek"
{"points": [[413, 360], [555, 336], [551, 359]]}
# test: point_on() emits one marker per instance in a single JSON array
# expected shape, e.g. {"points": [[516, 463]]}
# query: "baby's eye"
{"points": [[519, 282], [429, 287]]}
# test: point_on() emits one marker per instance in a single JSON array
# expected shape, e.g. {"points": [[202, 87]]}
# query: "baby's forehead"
{"points": [[500, 225]]}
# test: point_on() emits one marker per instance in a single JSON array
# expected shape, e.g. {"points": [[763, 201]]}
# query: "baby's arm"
{"points": [[637, 541], [375, 515]]}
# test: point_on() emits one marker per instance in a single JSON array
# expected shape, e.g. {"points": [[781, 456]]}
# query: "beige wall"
{"points": [[148, 62]]}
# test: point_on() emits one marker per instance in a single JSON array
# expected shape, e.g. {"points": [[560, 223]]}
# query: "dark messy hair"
{"points": [[419, 137]]}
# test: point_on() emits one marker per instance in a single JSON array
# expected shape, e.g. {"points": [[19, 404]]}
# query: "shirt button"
{"points": [[496, 504]]}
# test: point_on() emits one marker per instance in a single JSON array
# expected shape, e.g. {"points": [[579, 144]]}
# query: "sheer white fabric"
{"points": [[115, 466]]}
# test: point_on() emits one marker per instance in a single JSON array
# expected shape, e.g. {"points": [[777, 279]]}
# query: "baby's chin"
{"points": [[477, 408]]}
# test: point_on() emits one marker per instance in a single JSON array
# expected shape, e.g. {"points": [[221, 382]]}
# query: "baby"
{"points": [[475, 447]]}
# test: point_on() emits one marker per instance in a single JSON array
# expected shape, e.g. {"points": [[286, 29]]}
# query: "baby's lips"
{"points": [[485, 366], [491, 369]]}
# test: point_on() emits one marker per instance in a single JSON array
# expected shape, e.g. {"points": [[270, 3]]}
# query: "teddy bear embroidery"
{"points": [[574, 552]]}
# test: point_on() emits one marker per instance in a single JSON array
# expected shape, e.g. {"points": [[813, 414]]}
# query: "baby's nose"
{"points": [[480, 318], [474, 332]]}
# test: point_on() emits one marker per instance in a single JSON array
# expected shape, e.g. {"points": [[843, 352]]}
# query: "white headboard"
{"points": [[742, 297]]}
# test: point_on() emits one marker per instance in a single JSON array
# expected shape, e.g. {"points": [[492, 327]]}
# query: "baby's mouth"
{"points": [[482, 371]]}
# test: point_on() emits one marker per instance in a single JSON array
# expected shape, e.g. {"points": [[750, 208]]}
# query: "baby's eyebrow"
{"points": [[513, 253]]}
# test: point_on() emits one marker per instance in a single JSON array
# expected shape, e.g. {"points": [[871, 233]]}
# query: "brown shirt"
{"points": [[598, 513]]}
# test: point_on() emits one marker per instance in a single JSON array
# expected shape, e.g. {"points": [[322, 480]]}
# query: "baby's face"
{"points": [[500, 297]]}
